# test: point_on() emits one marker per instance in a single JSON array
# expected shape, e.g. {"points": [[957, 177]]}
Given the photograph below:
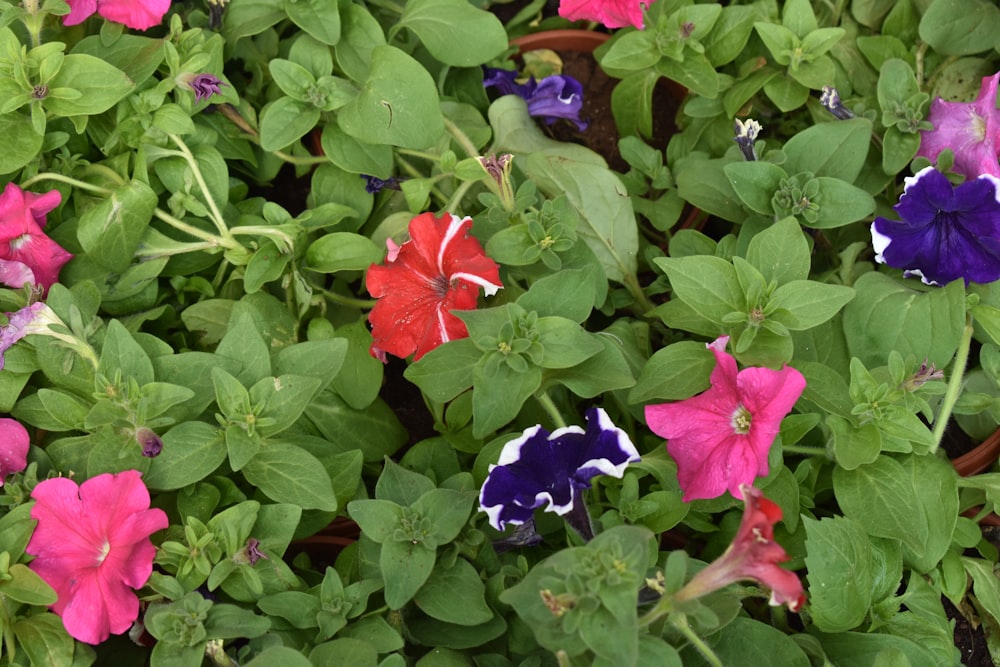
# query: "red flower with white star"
{"points": [[439, 270]]}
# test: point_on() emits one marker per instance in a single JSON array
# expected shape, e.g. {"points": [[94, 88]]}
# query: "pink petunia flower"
{"points": [[609, 13], [14, 441], [22, 241], [970, 129], [92, 546], [720, 438], [753, 555], [136, 14], [440, 269]]}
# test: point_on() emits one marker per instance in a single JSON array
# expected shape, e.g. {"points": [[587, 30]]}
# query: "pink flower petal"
{"points": [[136, 14], [610, 13], [14, 442], [970, 129]]}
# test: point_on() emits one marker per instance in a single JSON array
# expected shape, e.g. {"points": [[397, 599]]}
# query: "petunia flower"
{"points": [[136, 14], [374, 185], [946, 232], [92, 546], [551, 469], [609, 13], [20, 324], [720, 438], [970, 129], [22, 216], [554, 97], [440, 269], [205, 85], [14, 441], [752, 555]]}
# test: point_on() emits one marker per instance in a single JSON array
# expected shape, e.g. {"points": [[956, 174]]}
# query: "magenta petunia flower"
{"points": [[970, 129], [92, 546], [720, 438], [136, 14], [14, 441], [945, 232], [440, 269], [609, 13], [753, 555], [22, 216]]}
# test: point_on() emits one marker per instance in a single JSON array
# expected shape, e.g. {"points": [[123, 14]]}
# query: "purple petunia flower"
{"points": [[374, 184], [205, 85], [971, 130], [541, 468], [554, 97], [947, 232]]}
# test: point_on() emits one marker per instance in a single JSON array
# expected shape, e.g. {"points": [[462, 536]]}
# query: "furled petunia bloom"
{"points": [[19, 324], [136, 14], [609, 13], [205, 85], [753, 555], [554, 97], [14, 441], [374, 184], [440, 269], [551, 469], [720, 438], [22, 216], [92, 546], [946, 232], [970, 129]]}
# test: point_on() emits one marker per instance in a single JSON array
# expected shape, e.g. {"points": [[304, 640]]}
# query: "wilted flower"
{"points": [[746, 135], [205, 85], [720, 438], [830, 99], [752, 555], [137, 14], [440, 269], [946, 232], [374, 184], [22, 241], [552, 469], [92, 546], [609, 13], [14, 442], [971, 130], [556, 96]]}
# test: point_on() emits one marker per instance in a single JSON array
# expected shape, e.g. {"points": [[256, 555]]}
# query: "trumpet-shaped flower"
{"points": [[22, 241], [609, 13], [19, 324], [720, 438], [556, 96], [970, 129], [440, 269], [946, 232], [14, 441], [92, 546], [551, 469], [136, 14], [752, 555]]}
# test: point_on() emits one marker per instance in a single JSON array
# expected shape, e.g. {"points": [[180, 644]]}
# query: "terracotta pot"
{"points": [[976, 461]]}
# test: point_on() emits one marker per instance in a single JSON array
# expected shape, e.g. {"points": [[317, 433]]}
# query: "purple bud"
{"points": [[252, 552], [149, 441], [205, 85]]}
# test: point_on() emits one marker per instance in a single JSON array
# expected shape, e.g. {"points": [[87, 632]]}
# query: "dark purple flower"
{"points": [[540, 468], [830, 99], [205, 85], [149, 441], [252, 551], [373, 184], [746, 135], [947, 232], [554, 97]]}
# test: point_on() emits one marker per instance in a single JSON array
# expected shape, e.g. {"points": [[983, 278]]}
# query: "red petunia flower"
{"points": [[753, 555], [439, 270], [609, 13], [92, 546], [136, 14], [721, 437], [22, 241]]}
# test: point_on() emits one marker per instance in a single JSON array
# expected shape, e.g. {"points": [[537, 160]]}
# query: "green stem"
{"points": [[364, 304], [293, 159], [954, 384], [462, 138], [633, 287], [50, 176], [550, 407], [216, 214], [807, 451], [456, 197], [921, 51], [680, 622], [182, 226]]}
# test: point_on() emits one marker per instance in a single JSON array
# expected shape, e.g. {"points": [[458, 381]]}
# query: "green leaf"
{"points": [[853, 446], [497, 398], [398, 103], [342, 251], [837, 149], [266, 265], [568, 294], [960, 27], [445, 25], [840, 204], [378, 519], [747, 641], [285, 121], [110, 231], [565, 343], [400, 485], [22, 143], [284, 398], [780, 252], [695, 73], [446, 371], [809, 303], [839, 562], [319, 18], [121, 353], [454, 594], [356, 156], [447, 510], [100, 84], [632, 51], [26, 587], [755, 183], [44, 640], [405, 568], [289, 474], [675, 372], [708, 285]]}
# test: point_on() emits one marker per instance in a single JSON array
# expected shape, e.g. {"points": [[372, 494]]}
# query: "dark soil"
{"points": [[970, 640]]}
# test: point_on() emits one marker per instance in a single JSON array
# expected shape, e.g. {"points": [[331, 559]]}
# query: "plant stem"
{"points": [[456, 197], [807, 451], [50, 176], [216, 214], [182, 226], [550, 407], [679, 621], [954, 384], [364, 304], [462, 138], [292, 159]]}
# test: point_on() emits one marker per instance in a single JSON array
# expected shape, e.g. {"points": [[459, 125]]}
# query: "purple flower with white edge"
{"points": [[946, 232], [556, 96], [551, 469]]}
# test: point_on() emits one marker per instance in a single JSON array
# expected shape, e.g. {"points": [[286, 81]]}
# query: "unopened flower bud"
{"points": [[830, 99], [149, 441], [746, 135]]}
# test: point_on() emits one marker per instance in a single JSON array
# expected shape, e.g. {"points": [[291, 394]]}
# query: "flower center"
{"points": [[741, 420], [978, 126], [105, 550], [19, 242], [440, 285]]}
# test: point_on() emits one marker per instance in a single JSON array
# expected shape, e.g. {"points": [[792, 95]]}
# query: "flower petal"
{"points": [[610, 13], [14, 443]]}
